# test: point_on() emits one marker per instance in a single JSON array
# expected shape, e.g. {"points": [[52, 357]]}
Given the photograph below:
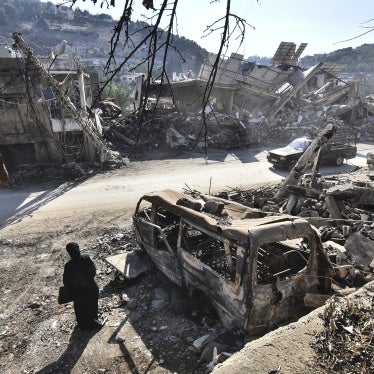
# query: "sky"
{"points": [[323, 24]]}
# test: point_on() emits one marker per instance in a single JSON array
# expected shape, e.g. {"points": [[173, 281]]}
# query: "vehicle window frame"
{"points": [[239, 265], [150, 221], [302, 141], [255, 245]]}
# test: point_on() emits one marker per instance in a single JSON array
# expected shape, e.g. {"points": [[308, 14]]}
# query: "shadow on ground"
{"points": [[18, 204], [77, 344]]}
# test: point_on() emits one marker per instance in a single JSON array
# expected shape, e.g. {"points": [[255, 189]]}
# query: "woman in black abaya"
{"points": [[79, 276]]}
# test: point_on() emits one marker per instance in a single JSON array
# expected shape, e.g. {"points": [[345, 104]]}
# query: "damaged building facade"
{"points": [[36, 125]]}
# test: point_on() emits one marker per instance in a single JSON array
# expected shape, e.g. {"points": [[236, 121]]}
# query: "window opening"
{"points": [[279, 260], [169, 223], [220, 255]]}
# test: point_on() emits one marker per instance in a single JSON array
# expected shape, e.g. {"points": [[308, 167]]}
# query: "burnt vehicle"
{"points": [[253, 269], [340, 148]]}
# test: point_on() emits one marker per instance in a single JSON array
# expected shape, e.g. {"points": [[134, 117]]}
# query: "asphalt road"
{"points": [[221, 170]]}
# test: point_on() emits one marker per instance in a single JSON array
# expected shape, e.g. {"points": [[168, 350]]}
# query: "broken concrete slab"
{"points": [[360, 249], [203, 341], [341, 252], [129, 264]]}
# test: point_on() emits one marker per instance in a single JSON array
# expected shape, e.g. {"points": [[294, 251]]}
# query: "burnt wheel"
{"points": [[339, 160]]}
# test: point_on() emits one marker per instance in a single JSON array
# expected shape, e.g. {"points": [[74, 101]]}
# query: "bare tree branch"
{"points": [[356, 37], [156, 41], [372, 19]]}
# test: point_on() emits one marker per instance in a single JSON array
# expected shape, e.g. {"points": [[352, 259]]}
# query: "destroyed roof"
{"points": [[332, 69], [239, 220], [286, 54], [191, 83]]}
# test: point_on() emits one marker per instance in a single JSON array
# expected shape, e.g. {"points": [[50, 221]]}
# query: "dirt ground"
{"points": [[150, 326]]}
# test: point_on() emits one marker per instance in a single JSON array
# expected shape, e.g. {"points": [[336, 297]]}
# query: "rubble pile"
{"points": [[178, 130], [174, 130], [346, 344], [265, 105], [352, 192], [342, 208], [293, 124]]}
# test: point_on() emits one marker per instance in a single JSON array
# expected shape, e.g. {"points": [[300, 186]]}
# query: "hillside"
{"points": [[354, 60], [44, 26]]}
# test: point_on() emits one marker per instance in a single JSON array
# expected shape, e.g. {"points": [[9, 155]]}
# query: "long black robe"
{"points": [[79, 276]]}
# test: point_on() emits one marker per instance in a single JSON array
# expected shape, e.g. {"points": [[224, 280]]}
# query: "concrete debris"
{"points": [[251, 104], [241, 127], [174, 130], [129, 264], [203, 341], [341, 207], [212, 350], [360, 249]]}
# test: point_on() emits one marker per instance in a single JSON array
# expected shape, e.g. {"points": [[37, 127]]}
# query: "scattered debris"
{"points": [[342, 209], [129, 264], [250, 104], [346, 345]]}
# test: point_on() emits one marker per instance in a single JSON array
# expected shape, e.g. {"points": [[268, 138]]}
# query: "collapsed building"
{"points": [[255, 104], [44, 117]]}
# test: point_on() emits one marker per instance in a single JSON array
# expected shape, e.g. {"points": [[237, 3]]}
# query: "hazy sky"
{"points": [[320, 23]]}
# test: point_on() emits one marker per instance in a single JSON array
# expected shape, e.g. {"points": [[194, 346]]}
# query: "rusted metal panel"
{"points": [[227, 299]]}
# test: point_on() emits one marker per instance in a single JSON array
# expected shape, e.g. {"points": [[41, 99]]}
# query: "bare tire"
{"points": [[339, 160]]}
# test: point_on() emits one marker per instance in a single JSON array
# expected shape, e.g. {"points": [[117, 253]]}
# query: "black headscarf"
{"points": [[73, 250]]}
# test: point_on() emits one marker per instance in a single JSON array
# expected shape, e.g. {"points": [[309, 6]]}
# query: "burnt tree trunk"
{"points": [[306, 158]]}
